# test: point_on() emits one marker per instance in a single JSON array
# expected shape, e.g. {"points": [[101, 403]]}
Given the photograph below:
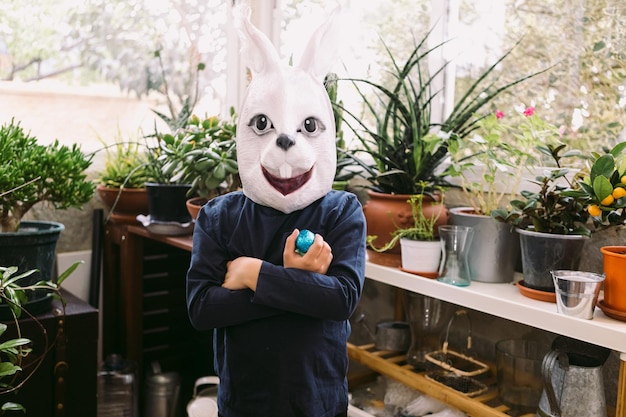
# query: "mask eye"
{"points": [[312, 127], [261, 124]]}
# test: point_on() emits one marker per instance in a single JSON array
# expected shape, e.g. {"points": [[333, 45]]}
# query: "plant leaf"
{"points": [[13, 343], [602, 187], [604, 166], [9, 406], [68, 272]]}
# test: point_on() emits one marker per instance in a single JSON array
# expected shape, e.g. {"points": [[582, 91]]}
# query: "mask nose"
{"points": [[284, 142]]}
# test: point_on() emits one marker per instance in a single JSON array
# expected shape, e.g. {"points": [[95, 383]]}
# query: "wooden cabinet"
{"points": [[501, 300], [144, 305], [65, 382]]}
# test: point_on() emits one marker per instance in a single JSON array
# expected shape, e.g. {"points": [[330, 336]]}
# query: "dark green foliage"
{"points": [[554, 208], [32, 173], [202, 154], [406, 145]]}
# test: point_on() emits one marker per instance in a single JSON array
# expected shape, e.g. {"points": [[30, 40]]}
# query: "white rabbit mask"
{"points": [[285, 137]]}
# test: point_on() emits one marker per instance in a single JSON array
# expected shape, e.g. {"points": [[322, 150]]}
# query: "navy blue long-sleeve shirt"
{"points": [[279, 351]]}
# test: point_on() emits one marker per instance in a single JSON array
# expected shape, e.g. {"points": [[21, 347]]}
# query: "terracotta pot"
{"points": [[131, 202], [615, 277], [384, 213], [194, 205]]}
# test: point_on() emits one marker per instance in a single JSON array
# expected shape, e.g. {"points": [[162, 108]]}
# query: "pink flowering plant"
{"points": [[554, 207], [492, 162]]}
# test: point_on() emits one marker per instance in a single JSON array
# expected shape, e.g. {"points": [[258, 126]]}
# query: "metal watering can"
{"points": [[573, 384]]}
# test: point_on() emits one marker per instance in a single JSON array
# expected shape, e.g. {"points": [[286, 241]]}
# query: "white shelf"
{"points": [[505, 301]]}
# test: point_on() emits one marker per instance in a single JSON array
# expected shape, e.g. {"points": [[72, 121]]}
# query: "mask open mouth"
{"points": [[287, 186]]}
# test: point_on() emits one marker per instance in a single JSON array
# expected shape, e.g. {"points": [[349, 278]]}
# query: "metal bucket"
{"points": [[577, 292]]}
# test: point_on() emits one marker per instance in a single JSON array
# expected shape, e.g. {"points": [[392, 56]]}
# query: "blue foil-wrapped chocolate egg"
{"points": [[304, 241]]}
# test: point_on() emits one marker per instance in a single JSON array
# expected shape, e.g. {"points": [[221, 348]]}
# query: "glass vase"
{"points": [[427, 317]]}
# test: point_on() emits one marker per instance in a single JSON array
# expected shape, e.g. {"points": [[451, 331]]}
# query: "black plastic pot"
{"points": [[544, 252], [33, 246], [167, 202]]}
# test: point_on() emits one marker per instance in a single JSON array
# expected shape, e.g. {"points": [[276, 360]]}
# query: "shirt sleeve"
{"points": [[209, 304], [332, 296]]}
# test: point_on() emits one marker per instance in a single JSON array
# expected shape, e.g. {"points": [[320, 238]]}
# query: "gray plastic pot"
{"points": [[544, 252], [494, 251]]}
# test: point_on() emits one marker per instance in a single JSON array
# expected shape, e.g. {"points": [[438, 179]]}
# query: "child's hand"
{"points": [[242, 273], [316, 259]]}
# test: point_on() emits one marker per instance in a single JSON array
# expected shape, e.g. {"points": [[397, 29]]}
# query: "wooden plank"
{"points": [[620, 411], [180, 242], [419, 382]]}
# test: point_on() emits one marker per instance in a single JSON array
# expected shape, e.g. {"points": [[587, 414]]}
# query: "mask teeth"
{"points": [[285, 171]]}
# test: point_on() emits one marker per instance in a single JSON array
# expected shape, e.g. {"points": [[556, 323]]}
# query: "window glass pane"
{"points": [[580, 42], [371, 26], [80, 70]]}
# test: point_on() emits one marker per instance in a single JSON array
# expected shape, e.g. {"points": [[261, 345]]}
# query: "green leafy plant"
{"points": [[421, 226], [13, 351], [555, 207], [31, 173], [125, 165], [406, 146], [489, 166], [202, 154], [343, 172], [603, 184]]}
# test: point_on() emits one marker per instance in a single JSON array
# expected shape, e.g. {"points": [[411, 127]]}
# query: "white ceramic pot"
{"points": [[420, 256]]}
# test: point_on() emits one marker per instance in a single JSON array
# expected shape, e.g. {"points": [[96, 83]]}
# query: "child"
{"points": [[280, 318]]}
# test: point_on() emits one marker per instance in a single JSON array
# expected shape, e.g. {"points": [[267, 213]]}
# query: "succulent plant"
{"points": [[203, 154]]}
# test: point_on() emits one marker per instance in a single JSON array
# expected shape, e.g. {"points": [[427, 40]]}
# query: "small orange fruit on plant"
{"points": [[594, 210], [619, 192], [608, 200]]}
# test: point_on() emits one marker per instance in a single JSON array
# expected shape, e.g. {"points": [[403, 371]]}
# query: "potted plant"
{"points": [[490, 168], [13, 297], [202, 154], [603, 184], [167, 194], [419, 245], [121, 184], [31, 173], [404, 144], [552, 222]]}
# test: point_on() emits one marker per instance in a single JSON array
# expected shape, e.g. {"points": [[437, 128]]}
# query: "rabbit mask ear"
{"points": [[256, 48], [286, 132]]}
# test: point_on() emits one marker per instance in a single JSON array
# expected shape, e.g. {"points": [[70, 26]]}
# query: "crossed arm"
{"points": [[243, 272]]}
